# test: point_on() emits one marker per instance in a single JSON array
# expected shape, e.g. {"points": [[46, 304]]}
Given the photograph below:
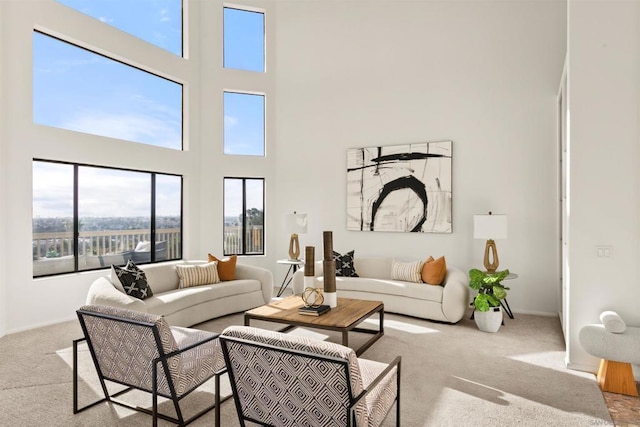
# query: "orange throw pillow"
{"points": [[433, 271], [226, 267]]}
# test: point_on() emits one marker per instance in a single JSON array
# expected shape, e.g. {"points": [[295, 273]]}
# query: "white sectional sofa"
{"points": [[447, 302], [186, 307]]}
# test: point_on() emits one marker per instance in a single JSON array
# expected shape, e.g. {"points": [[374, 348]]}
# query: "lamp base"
{"points": [[490, 251], [294, 247]]}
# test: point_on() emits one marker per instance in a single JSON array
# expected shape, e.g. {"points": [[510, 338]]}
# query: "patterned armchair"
{"points": [[143, 352], [284, 380]]}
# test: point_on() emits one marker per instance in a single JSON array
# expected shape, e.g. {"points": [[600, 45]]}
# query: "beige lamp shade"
{"points": [[295, 224], [490, 227]]}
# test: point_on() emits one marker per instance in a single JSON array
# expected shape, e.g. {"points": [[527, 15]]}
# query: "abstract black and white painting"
{"points": [[402, 188]]}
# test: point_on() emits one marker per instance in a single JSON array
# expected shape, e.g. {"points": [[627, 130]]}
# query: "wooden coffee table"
{"points": [[344, 318]]}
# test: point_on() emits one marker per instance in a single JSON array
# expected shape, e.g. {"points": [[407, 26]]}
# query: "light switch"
{"points": [[603, 251]]}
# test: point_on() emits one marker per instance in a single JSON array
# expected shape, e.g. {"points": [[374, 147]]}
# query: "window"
{"points": [[89, 217], [155, 21], [243, 216], [76, 89], [243, 124], [243, 39]]}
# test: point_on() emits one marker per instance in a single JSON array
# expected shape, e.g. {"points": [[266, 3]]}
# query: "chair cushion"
{"points": [[198, 364], [382, 397], [277, 390], [125, 351]]}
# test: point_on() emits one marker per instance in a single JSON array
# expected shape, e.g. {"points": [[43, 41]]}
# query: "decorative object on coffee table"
{"points": [[309, 266], [295, 224], [312, 297], [329, 270]]}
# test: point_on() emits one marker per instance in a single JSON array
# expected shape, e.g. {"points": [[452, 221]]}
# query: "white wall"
{"points": [[3, 184], [346, 74], [604, 106], [28, 302], [482, 74]]}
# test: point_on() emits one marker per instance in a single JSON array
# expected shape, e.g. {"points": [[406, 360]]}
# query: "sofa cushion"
{"points": [[390, 287], [344, 264], [197, 275], [433, 272], [179, 299], [407, 271], [226, 267], [376, 268], [133, 280]]}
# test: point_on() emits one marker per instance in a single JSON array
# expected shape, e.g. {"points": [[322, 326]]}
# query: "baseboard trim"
{"points": [[535, 313], [38, 325]]}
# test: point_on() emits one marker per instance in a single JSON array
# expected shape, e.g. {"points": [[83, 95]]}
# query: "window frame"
{"points": [[152, 226], [264, 122], [245, 8], [244, 215], [126, 64]]}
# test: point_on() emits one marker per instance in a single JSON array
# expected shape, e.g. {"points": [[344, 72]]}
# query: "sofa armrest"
{"points": [[298, 277], [102, 292], [264, 276], [455, 296]]}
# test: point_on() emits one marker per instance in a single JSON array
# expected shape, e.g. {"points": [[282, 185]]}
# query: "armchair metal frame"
{"points": [[160, 360], [343, 363]]}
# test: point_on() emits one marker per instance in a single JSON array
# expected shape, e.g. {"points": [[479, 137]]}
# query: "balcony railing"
{"points": [[254, 237], [53, 253]]}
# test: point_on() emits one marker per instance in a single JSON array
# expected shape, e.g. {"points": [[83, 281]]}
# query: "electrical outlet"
{"points": [[603, 251]]}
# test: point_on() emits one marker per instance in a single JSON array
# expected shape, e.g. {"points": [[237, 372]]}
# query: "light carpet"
{"points": [[452, 375]]}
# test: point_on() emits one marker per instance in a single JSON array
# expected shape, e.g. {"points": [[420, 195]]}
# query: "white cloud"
{"points": [[131, 127], [230, 121]]}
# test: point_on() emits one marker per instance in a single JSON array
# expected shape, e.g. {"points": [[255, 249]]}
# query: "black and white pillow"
{"points": [[344, 264], [133, 280]]}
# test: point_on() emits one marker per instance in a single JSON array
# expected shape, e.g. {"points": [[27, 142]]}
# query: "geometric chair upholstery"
{"points": [[143, 352], [284, 380]]}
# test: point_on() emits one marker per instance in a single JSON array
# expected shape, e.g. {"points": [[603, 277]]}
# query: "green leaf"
{"points": [[492, 300], [499, 292], [481, 302]]}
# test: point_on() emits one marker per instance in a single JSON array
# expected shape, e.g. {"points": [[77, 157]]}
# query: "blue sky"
{"points": [[79, 90]]}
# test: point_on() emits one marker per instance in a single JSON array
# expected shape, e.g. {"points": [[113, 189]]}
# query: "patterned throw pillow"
{"points": [[433, 271], [344, 264], [133, 280], [198, 274], [226, 267], [407, 271]]}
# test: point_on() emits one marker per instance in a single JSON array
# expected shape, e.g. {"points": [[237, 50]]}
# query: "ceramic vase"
{"points": [[489, 321]]}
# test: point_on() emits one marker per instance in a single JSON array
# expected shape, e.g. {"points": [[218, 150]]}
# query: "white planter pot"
{"points": [[488, 321]]}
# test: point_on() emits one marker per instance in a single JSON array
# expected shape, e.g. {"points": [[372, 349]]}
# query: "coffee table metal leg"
{"points": [[345, 338]]}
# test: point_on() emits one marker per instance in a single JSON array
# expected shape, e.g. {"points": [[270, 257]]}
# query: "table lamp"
{"points": [[295, 224], [490, 227]]}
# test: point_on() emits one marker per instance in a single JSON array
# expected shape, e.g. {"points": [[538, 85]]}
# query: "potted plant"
{"points": [[488, 314]]}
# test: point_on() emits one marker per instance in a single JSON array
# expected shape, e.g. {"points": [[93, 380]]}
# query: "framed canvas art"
{"points": [[401, 188]]}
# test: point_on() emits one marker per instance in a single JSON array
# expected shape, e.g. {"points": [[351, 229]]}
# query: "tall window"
{"points": [[89, 217], [243, 216], [76, 89], [243, 124], [243, 39], [155, 21]]}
